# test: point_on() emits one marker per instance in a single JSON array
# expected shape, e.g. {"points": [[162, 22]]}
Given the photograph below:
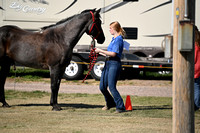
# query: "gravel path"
{"points": [[161, 91]]}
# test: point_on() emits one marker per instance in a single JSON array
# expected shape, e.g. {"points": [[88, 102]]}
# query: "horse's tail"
{"points": [[4, 33]]}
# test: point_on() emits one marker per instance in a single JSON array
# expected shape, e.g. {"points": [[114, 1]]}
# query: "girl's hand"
{"points": [[100, 51], [97, 50]]}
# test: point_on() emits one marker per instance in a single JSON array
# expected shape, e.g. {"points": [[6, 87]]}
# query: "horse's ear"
{"points": [[98, 11]]}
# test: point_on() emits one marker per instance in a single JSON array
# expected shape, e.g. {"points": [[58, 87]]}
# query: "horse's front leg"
{"points": [[5, 68], [55, 74]]}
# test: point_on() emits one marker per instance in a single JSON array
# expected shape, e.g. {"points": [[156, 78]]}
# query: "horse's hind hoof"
{"points": [[5, 105]]}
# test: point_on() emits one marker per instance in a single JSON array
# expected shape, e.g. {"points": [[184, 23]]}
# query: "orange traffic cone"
{"points": [[128, 105]]}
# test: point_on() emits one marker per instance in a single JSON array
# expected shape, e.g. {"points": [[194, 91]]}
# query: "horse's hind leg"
{"points": [[5, 68]]}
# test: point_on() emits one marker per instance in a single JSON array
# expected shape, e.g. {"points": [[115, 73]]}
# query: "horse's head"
{"points": [[94, 29]]}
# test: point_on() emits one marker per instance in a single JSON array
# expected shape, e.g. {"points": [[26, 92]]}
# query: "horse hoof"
{"points": [[56, 109], [6, 105]]}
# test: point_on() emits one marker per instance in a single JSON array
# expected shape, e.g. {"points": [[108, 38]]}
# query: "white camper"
{"points": [[146, 22]]}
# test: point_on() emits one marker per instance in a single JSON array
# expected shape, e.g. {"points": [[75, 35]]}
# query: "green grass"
{"points": [[30, 74], [22, 74], [31, 112], [11, 94], [155, 75]]}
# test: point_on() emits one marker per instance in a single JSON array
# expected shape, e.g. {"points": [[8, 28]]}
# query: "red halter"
{"points": [[94, 25]]}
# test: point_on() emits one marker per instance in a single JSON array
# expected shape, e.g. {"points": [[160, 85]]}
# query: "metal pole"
{"points": [[186, 9]]}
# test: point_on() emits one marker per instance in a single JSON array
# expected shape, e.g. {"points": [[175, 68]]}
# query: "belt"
{"points": [[112, 58]]}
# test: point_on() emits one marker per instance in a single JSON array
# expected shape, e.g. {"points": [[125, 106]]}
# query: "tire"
{"points": [[98, 67], [74, 70]]}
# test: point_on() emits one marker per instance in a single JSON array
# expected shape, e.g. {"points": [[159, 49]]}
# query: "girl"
{"points": [[112, 69]]}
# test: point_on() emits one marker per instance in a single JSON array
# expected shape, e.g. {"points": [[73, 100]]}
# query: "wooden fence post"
{"points": [[183, 73]]}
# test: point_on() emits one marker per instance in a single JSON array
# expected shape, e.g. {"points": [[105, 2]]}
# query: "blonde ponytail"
{"points": [[116, 26]]}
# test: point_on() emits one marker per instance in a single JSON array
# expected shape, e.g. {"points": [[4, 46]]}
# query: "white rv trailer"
{"points": [[146, 22]]}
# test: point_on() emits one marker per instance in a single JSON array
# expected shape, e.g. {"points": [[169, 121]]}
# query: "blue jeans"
{"points": [[109, 79], [197, 93]]}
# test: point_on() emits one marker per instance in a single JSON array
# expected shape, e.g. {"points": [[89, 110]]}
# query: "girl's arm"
{"points": [[107, 53]]}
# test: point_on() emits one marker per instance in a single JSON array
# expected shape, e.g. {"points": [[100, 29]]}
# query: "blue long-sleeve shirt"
{"points": [[116, 45]]}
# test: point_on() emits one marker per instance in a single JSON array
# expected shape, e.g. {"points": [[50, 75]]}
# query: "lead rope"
{"points": [[92, 57]]}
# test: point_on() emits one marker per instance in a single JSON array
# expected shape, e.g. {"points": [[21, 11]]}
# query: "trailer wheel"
{"points": [[74, 70], [98, 67]]}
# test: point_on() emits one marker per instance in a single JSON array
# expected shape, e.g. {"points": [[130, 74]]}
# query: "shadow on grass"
{"points": [[64, 105], [163, 107], [80, 105]]}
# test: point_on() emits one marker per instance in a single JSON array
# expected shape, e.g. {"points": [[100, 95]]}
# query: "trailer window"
{"points": [[131, 32]]}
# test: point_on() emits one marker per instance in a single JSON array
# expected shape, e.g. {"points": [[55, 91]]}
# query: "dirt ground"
{"points": [[160, 88]]}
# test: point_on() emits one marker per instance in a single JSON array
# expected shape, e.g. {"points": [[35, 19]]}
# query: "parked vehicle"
{"points": [[148, 24], [131, 65]]}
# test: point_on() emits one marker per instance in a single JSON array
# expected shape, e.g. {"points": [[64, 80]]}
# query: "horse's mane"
{"points": [[66, 19]]}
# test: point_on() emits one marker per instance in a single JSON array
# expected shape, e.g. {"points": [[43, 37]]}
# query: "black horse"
{"points": [[49, 49]]}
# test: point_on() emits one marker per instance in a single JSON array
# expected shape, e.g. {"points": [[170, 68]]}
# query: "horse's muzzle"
{"points": [[101, 40]]}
